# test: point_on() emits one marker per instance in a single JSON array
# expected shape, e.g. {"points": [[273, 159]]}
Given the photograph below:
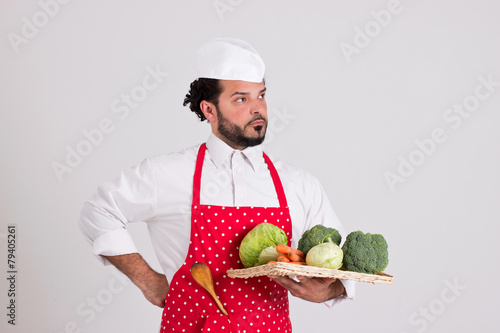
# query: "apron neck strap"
{"points": [[197, 175], [277, 181], [199, 166]]}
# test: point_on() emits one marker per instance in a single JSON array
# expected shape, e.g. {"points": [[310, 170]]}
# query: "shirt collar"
{"points": [[219, 151]]}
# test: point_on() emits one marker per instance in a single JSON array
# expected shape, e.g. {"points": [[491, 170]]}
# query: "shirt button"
{"points": [[237, 172]]}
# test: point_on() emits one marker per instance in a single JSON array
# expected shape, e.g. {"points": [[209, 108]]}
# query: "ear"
{"points": [[208, 110]]}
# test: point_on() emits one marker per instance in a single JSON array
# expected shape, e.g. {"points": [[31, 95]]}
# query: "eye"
{"points": [[263, 96], [240, 100]]}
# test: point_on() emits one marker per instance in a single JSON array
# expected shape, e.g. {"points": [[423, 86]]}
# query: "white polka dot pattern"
{"points": [[254, 305]]}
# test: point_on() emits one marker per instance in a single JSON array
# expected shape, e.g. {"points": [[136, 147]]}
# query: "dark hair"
{"points": [[202, 89]]}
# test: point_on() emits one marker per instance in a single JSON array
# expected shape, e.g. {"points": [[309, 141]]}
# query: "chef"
{"points": [[200, 202]]}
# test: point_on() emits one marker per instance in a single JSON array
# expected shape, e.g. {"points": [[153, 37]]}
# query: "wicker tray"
{"points": [[282, 269]]}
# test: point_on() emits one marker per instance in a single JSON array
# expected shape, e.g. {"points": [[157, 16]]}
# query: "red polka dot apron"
{"points": [[253, 305]]}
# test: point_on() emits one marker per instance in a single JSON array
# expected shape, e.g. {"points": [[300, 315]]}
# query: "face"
{"points": [[240, 119]]}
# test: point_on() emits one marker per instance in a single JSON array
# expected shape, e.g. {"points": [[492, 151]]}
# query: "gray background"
{"points": [[349, 120]]}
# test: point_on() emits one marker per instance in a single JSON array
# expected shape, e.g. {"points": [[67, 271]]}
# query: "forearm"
{"points": [[153, 285], [133, 266]]}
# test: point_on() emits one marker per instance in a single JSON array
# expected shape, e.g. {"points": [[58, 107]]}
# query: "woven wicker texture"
{"points": [[283, 269]]}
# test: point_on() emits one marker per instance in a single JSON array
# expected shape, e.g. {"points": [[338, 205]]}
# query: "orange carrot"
{"points": [[283, 258], [297, 262], [298, 252], [281, 248], [294, 257]]}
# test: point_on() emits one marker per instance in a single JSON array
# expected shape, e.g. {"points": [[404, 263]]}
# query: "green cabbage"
{"points": [[326, 255], [267, 255], [261, 237]]}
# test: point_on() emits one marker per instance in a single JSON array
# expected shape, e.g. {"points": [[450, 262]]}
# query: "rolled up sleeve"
{"points": [[104, 218]]}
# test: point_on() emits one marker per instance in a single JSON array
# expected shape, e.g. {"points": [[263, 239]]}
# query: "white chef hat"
{"points": [[229, 59]]}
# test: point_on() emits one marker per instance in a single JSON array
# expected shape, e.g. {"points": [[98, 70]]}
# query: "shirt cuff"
{"points": [[113, 243], [350, 288]]}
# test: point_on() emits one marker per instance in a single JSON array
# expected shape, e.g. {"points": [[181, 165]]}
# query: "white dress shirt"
{"points": [[158, 191]]}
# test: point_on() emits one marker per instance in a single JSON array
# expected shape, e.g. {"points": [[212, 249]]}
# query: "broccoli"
{"points": [[318, 234], [365, 253]]}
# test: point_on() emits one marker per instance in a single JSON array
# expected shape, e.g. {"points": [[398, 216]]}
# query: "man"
{"points": [[200, 202]]}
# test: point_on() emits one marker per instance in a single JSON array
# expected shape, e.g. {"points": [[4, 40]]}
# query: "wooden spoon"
{"points": [[201, 273]]}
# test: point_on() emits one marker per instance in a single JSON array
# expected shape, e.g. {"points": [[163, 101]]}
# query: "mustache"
{"points": [[258, 117]]}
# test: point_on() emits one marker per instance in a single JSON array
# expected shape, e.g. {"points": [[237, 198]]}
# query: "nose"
{"points": [[259, 106]]}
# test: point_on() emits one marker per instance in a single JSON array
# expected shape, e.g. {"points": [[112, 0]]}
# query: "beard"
{"points": [[236, 134]]}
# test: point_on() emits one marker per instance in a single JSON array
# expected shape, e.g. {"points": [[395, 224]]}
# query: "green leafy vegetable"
{"points": [[261, 237], [267, 255]]}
